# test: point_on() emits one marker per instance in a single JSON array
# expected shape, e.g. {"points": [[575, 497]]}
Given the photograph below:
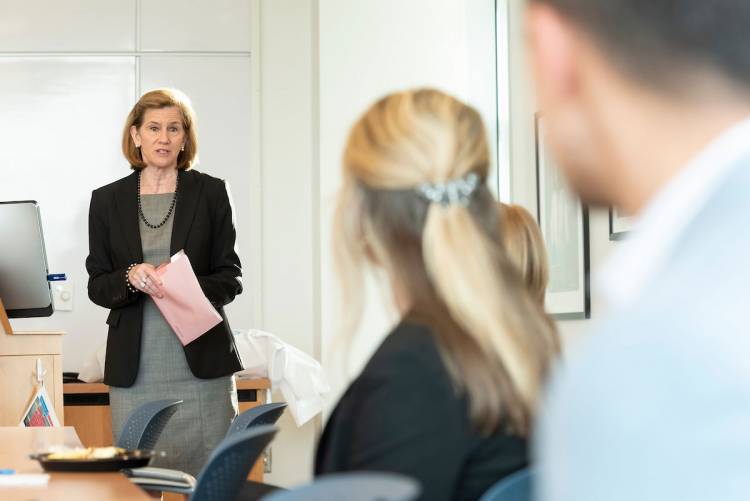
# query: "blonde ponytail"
{"points": [[482, 295], [407, 151]]}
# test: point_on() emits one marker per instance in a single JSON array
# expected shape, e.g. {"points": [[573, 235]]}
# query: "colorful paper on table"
{"points": [[184, 306], [40, 411]]}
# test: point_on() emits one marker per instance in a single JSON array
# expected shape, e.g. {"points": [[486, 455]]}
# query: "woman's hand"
{"points": [[144, 278]]}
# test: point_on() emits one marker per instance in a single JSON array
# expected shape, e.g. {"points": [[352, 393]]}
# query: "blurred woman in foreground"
{"points": [[449, 396]]}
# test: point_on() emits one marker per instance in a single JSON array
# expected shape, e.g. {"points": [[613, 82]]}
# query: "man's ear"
{"points": [[551, 54]]}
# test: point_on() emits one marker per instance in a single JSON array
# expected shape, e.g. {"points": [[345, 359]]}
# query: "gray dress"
{"points": [[209, 404]]}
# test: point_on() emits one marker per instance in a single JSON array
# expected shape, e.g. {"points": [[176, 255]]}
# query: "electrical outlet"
{"points": [[62, 295], [267, 459]]}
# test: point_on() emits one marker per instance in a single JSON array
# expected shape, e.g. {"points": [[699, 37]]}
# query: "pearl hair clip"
{"points": [[456, 191]]}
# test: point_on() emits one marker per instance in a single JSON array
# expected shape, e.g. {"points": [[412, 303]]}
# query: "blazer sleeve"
{"points": [[106, 285], [224, 281]]}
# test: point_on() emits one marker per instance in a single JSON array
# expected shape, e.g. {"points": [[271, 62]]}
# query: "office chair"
{"points": [[144, 425], [355, 486], [262, 414], [222, 477], [515, 487]]}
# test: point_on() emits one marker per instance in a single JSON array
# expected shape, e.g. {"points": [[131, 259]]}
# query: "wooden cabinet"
{"points": [[18, 365], [87, 410]]}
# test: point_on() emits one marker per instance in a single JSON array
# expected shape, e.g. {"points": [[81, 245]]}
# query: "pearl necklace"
{"points": [[171, 206]]}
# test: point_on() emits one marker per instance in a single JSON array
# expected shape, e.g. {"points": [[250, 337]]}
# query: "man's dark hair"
{"points": [[658, 41]]}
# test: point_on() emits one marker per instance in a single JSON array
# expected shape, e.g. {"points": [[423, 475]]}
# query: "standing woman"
{"points": [[137, 223]]}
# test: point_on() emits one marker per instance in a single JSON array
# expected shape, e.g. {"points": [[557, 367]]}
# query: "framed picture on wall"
{"points": [[564, 222], [619, 224]]}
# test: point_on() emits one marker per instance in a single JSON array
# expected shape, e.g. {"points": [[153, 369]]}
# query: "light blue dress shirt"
{"points": [[656, 405]]}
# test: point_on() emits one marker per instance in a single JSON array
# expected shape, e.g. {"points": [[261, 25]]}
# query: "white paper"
{"points": [[178, 255], [24, 480]]}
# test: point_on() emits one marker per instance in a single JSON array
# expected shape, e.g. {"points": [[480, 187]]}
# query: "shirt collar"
{"points": [[637, 259]]}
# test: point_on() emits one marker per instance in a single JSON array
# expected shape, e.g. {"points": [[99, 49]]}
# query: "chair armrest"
{"points": [[161, 479]]}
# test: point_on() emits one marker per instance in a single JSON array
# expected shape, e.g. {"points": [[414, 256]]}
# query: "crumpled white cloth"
{"points": [[93, 369], [297, 375]]}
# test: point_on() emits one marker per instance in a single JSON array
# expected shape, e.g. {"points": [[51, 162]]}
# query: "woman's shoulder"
{"points": [[209, 181], [407, 336], [409, 350]]}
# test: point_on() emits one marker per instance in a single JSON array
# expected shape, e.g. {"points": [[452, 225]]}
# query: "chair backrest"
{"points": [[229, 464], [145, 424], [262, 414], [354, 486], [515, 487]]}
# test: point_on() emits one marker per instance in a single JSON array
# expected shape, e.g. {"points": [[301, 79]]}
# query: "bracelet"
{"points": [[127, 280]]}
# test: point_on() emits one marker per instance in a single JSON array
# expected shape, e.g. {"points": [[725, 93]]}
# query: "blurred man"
{"points": [[647, 105]]}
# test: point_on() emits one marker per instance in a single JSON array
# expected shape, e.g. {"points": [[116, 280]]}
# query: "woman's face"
{"points": [[161, 137]]}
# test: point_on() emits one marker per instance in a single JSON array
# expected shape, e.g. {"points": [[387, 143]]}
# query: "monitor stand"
{"points": [[5, 324]]}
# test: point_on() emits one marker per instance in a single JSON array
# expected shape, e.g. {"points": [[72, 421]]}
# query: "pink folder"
{"points": [[184, 306]]}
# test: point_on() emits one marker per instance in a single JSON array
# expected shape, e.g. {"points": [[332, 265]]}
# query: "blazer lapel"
{"points": [[126, 199], [188, 194]]}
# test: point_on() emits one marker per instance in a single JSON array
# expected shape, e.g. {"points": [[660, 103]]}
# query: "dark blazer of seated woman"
{"points": [[204, 229], [403, 414]]}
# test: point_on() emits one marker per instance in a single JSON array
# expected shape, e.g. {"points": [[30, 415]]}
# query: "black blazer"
{"points": [[203, 226], [402, 414]]}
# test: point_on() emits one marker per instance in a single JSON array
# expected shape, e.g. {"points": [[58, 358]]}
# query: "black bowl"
{"points": [[129, 459]]}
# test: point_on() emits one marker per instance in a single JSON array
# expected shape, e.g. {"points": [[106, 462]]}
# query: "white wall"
{"points": [[289, 203]]}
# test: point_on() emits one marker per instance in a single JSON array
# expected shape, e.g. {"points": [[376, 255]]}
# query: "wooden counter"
{"points": [[18, 443]]}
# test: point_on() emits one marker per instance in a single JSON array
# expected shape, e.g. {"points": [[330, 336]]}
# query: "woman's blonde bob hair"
{"points": [[447, 260], [525, 245], [158, 99]]}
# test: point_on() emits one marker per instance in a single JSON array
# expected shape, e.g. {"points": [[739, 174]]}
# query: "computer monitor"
{"points": [[24, 289]]}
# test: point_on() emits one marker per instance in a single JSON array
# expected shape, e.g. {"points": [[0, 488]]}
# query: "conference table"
{"points": [[17, 443]]}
